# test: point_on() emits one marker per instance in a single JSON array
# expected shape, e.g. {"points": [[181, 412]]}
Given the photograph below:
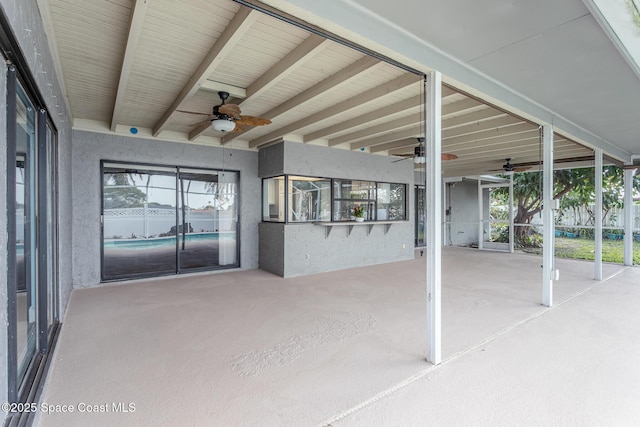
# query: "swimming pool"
{"points": [[157, 242]]}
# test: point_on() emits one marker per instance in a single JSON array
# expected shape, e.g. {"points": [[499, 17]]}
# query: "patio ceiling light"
{"points": [[223, 125]]}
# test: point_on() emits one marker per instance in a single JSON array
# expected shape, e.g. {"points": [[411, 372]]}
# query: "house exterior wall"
{"points": [[272, 247], [304, 248], [271, 161], [90, 148], [27, 27], [463, 218]]}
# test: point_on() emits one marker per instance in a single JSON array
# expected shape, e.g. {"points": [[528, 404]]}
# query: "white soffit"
{"points": [[616, 17], [476, 47]]}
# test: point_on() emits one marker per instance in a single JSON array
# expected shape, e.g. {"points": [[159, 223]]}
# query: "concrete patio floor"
{"points": [[347, 348]]}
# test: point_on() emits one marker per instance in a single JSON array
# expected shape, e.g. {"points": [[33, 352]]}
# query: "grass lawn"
{"points": [[612, 250]]}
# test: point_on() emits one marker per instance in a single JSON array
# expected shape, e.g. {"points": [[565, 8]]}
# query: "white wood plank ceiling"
{"points": [[157, 65]]}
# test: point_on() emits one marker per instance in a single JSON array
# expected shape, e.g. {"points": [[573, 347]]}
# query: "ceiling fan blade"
{"points": [[231, 110], [443, 156], [197, 113], [240, 127], [253, 121], [521, 169], [399, 160]]}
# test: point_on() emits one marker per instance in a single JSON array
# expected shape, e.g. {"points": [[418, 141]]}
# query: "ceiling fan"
{"points": [[510, 167], [228, 117], [418, 155]]}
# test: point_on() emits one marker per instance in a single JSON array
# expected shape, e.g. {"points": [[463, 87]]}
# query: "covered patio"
{"points": [[128, 112], [347, 348]]}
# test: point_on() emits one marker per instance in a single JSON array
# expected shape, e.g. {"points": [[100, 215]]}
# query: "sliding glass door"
{"points": [[25, 215], [32, 283], [139, 221], [50, 179], [208, 211], [165, 220]]}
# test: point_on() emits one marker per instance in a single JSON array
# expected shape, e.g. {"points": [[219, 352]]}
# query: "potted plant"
{"points": [[358, 213]]}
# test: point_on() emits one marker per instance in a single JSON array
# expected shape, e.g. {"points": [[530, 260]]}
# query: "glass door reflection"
{"points": [[26, 256], [207, 219], [139, 221], [420, 231]]}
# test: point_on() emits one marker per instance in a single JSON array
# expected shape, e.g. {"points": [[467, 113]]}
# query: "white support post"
{"points": [[480, 215], [511, 227], [445, 205], [628, 217], [547, 216], [597, 264], [433, 149]]}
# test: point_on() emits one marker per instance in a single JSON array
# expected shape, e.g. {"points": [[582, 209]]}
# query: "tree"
{"points": [[573, 187], [120, 193], [527, 192]]}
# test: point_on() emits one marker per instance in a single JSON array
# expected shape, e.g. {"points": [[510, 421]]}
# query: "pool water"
{"points": [[157, 242]]}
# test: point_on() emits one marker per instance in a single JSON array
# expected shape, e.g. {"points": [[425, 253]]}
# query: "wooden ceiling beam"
{"points": [[239, 25], [135, 29], [473, 117], [305, 50], [390, 137], [403, 105], [494, 124], [371, 131], [337, 109], [407, 142], [487, 134], [330, 83], [459, 106]]}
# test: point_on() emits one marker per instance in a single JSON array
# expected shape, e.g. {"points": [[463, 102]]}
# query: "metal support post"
{"points": [[597, 275], [628, 217], [433, 149], [547, 216]]}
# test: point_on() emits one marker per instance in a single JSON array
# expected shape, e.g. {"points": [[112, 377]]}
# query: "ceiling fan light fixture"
{"points": [[418, 154], [222, 125]]}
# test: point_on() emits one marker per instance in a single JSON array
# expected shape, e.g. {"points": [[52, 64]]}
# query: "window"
{"points": [[348, 194], [273, 199], [309, 199], [390, 202]]}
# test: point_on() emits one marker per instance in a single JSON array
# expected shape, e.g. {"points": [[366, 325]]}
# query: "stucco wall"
{"points": [[271, 161], [306, 247], [27, 27], [305, 159], [463, 202], [272, 250], [90, 148]]}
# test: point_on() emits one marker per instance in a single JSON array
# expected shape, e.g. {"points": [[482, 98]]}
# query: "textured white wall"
{"points": [[90, 148]]}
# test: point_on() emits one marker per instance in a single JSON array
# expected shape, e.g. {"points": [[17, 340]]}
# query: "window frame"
{"points": [[174, 169], [371, 201]]}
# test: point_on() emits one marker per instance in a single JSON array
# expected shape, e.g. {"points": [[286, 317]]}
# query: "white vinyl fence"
{"points": [[132, 223]]}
